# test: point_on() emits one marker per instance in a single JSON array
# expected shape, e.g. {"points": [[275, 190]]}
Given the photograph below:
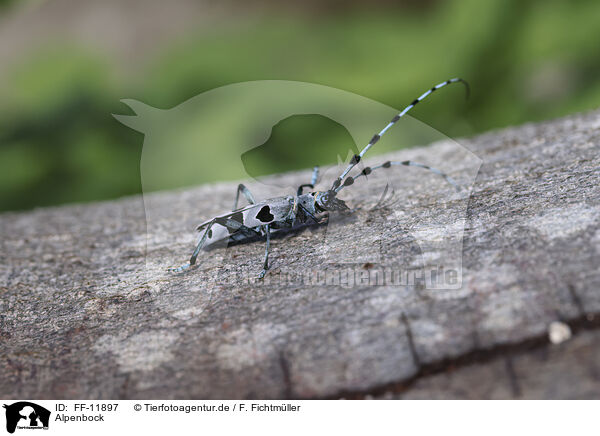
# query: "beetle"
{"points": [[260, 219]]}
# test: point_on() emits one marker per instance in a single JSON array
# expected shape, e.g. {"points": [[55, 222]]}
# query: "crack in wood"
{"points": [[515, 387], [287, 379], [411, 341], [483, 356], [576, 299]]}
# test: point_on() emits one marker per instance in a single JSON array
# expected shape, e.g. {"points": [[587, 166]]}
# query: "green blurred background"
{"points": [[65, 64]]}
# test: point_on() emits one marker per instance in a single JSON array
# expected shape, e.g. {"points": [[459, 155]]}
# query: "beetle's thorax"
{"points": [[321, 201]]}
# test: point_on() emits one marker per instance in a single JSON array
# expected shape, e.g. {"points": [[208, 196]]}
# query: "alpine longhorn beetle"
{"points": [[273, 214]]}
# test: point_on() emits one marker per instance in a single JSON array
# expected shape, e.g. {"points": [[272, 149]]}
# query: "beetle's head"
{"points": [[327, 200]]}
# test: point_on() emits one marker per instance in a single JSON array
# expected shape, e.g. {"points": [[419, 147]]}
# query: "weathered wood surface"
{"points": [[87, 311]]}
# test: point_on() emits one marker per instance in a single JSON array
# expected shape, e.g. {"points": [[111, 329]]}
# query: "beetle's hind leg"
{"points": [[249, 197], [266, 262], [196, 251]]}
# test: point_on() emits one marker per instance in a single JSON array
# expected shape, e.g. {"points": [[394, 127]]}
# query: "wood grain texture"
{"points": [[88, 309]]}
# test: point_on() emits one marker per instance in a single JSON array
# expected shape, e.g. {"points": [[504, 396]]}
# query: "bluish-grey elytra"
{"points": [[262, 218]]}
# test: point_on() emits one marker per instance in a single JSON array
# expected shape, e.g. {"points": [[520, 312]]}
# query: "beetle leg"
{"points": [[249, 197], [308, 214], [313, 181], [196, 251], [266, 262], [315, 176]]}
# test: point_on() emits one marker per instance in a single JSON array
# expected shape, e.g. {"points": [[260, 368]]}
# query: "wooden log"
{"points": [[88, 309]]}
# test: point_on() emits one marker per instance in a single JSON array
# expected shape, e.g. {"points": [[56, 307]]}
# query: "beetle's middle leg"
{"points": [[247, 231], [266, 263]]}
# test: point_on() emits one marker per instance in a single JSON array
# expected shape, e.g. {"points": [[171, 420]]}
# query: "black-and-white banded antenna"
{"points": [[337, 184], [409, 163]]}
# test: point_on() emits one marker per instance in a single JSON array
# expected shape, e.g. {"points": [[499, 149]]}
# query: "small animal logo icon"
{"points": [[25, 414]]}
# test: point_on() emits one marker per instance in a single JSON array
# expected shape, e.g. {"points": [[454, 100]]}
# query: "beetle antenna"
{"points": [[337, 184]]}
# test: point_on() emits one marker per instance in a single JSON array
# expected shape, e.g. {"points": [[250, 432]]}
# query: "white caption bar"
{"points": [[250, 417]]}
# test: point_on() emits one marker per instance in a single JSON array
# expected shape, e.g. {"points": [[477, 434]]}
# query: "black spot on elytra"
{"points": [[265, 215], [238, 216]]}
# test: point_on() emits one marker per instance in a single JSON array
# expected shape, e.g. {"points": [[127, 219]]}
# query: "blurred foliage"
{"points": [[525, 60]]}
